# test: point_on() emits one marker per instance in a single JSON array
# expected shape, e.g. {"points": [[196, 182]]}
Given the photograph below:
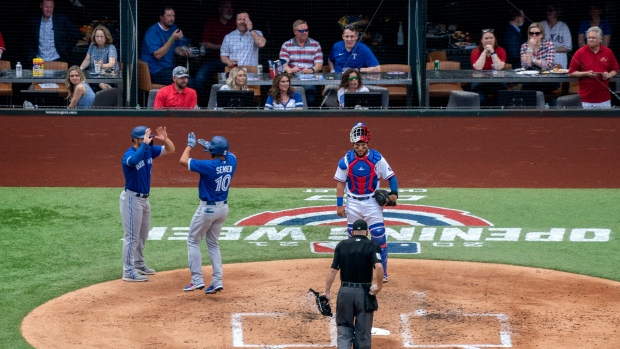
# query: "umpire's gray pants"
{"points": [[354, 323]]}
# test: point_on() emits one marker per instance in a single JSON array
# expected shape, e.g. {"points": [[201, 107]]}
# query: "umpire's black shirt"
{"points": [[355, 257]]}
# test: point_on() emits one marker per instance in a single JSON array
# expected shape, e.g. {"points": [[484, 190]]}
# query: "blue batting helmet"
{"points": [[138, 132], [218, 146]]}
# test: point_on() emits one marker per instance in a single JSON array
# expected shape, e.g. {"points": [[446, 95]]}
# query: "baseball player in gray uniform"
{"points": [[134, 201], [215, 178]]}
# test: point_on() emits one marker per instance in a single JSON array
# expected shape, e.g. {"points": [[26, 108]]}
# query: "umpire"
{"points": [[356, 257]]}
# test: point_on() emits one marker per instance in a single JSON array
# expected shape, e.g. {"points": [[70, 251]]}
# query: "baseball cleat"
{"points": [[385, 279], [193, 286], [135, 277], [146, 270], [214, 289]]}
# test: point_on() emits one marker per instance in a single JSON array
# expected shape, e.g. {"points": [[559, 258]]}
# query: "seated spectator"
{"points": [[594, 64], [214, 31], [53, 34], [282, 96], [80, 93], [237, 80], [2, 47], [177, 95], [538, 54], [351, 82], [487, 56], [350, 53], [161, 41], [596, 10], [240, 47], [101, 51], [303, 55]]}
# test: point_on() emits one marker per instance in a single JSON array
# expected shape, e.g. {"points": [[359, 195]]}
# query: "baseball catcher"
{"points": [[383, 198], [322, 303]]}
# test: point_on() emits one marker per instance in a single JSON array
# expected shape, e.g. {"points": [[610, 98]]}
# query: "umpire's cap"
{"points": [[360, 224], [138, 132]]}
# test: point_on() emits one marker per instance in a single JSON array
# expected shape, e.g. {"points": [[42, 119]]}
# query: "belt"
{"points": [[354, 284], [361, 198], [144, 196], [215, 203]]}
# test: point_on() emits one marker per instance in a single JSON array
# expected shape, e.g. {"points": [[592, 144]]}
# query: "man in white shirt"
{"points": [[240, 47]]}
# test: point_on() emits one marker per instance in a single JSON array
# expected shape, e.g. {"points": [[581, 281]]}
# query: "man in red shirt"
{"points": [[594, 64], [177, 95], [215, 29]]}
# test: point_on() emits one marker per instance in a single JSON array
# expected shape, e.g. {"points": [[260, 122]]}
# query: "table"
{"points": [[505, 76], [59, 77], [324, 79]]}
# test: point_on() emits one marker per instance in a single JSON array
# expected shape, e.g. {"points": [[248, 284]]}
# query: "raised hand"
{"points": [[191, 140], [204, 144]]}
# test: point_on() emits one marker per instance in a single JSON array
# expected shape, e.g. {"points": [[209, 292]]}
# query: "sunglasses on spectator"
{"points": [[487, 31], [351, 78], [303, 31], [535, 33]]}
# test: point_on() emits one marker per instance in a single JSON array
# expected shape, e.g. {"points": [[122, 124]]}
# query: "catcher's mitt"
{"points": [[322, 303], [383, 198]]}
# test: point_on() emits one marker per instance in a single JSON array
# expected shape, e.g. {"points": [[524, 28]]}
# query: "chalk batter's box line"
{"points": [[237, 333], [504, 332]]}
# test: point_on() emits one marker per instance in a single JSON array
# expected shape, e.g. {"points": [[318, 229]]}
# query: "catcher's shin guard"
{"points": [[377, 234]]}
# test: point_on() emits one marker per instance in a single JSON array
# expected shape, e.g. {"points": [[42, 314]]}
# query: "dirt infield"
{"points": [[266, 305], [426, 303]]}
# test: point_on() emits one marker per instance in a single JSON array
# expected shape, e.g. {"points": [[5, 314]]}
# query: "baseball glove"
{"points": [[383, 198], [322, 303]]}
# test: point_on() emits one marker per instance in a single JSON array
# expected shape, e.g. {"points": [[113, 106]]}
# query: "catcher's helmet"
{"points": [[138, 132], [218, 146], [360, 133]]}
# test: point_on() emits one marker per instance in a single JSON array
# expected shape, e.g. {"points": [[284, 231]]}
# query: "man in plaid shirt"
{"points": [[240, 47], [303, 56]]}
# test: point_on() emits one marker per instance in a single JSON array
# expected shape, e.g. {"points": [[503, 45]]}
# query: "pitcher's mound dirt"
{"points": [[426, 304]]}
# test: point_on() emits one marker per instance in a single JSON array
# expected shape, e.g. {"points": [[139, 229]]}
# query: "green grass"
{"points": [[56, 240]]}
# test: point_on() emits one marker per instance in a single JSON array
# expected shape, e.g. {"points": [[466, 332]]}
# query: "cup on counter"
{"points": [[97, 67], [495, 68]]}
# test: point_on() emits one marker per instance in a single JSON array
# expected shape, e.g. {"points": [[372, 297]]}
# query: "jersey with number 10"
{"points": [[215, 177]]}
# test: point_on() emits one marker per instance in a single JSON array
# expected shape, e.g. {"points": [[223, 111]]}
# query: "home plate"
{"points": [[379, 332]]}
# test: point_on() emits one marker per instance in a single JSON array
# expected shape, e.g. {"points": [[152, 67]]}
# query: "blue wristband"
{"points": [[339, 201]]}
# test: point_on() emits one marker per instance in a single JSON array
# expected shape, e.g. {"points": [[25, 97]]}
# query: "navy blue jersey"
{"points": [[215, 176], [137, 166]]}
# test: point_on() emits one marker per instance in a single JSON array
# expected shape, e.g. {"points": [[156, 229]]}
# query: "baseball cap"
{"points": [[360, 224], [179, 72]]}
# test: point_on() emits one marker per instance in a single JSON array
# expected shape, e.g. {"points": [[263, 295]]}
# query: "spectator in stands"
{"points": [[537, 53], [513, 38], [282, 96], [240, 47], [215, 29], [349, 53], [80, 94], [54, 36], [351, 82], [594, 64], [237, 80], [558, 34], [177, 95], [2, 47], [596, 10], [487, 56], [161, 41], [101, 51], [303, 55]]}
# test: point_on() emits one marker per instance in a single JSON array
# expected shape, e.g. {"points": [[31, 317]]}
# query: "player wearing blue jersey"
{"points": [[134, 203], [215, 178], [358, 175]]}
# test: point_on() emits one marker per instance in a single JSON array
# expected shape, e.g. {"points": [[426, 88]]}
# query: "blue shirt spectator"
{"points": [[349, 53]]}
